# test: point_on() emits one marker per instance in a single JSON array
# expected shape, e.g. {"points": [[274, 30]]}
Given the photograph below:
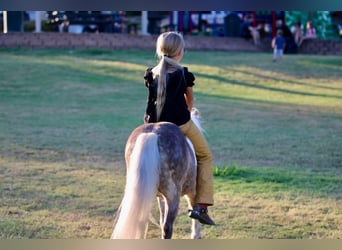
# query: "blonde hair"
{"points": [[169, 45]]}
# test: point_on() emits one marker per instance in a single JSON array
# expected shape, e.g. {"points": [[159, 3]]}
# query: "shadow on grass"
{"points": [[250, 104], [266, 77], [256, 86]]}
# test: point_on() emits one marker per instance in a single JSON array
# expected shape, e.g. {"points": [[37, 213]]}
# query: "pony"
{"points": [[160, 162]]}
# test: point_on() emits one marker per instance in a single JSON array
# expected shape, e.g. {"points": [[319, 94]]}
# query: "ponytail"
{"points": [[169, 44], [161, 91]]}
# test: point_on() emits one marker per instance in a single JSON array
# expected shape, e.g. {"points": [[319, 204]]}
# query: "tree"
{"points": [[320, 20]]}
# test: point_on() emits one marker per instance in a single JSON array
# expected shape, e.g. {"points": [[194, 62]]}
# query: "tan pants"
{"points": [[205, 185]]}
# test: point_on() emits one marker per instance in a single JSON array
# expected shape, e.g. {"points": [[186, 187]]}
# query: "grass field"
{"points": [[275, 130]]}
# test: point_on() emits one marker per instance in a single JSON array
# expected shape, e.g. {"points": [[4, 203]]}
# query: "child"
{"points": [[310, 31], [171, 99], [278, 45]]}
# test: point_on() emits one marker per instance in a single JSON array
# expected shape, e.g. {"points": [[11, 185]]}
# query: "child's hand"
{"points": [[146, 118]]}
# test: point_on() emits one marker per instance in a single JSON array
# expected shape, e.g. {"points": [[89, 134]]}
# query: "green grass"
{"points": [[275, 130]]}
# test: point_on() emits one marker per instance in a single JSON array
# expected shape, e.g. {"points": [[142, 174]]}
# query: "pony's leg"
{"points": [[162, 208], [195, 225], [195, 229], [146, 230], [167, 216], [171, 213]]}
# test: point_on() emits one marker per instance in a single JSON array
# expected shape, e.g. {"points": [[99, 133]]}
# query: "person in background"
{"points": [[297, 32], [310, 31], [278, 45], [290, 46], [248, 31]]}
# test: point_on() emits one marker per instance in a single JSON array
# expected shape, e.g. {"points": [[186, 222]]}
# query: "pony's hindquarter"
{"points": [[160, 162], [141, 188]]}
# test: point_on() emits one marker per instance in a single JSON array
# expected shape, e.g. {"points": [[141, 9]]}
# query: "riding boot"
{"points": [[200, 213]]}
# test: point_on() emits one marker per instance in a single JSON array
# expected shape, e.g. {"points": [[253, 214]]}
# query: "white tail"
{"points": [[141, 187]]}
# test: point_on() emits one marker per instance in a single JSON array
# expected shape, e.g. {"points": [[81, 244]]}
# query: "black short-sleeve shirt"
{"points": [[175, 109]]}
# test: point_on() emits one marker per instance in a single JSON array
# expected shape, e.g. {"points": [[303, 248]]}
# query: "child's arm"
{"points": [[273, 42], [189, 98]]}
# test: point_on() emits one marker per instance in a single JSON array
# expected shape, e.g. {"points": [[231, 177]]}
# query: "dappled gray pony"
{"points": [[160, 162]]}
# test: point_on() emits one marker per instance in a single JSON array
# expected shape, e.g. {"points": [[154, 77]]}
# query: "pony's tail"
{"points": [[141, 187]]}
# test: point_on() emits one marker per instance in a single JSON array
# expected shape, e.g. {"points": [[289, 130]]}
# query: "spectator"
{"points": [[248, 31], [310, 31], [262, 29], [278, 45], [298, 33], [288, 36]]}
